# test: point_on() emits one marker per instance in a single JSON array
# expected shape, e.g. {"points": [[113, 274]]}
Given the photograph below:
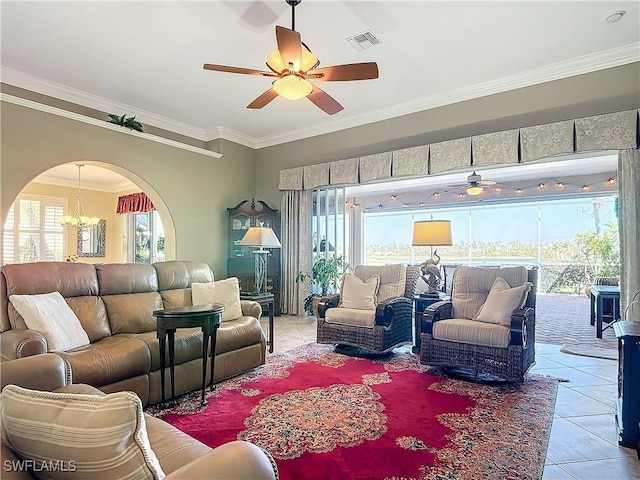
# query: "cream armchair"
{"points": [[488, 327], [383, 325]]}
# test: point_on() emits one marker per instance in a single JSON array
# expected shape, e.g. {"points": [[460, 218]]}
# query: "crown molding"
{"points": [[104, 124], [614, 57], [232, 136], [79, 97]]}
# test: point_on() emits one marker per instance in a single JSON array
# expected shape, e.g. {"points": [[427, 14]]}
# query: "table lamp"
{"points": [[262, 237], [432, 233]]}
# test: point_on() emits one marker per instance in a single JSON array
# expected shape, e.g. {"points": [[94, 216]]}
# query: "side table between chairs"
{"points": [[598, 294], [208, 318]]}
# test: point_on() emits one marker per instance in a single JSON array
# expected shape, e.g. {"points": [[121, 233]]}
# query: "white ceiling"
{"points": [[145, 58], [92, 177]]}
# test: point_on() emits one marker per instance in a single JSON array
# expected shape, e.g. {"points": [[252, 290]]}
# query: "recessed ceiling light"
{"points": [[616, 16]]}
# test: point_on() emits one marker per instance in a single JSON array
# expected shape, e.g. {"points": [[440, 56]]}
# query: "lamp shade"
{"points": [[431, 233], [260, 237]]}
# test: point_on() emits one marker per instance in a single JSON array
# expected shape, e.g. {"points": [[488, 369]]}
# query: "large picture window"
{"points": [[571, 240], [32, 232]]}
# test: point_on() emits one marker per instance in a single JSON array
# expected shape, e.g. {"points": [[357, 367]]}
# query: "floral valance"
{"points": [[612, 131], [134, 203]]}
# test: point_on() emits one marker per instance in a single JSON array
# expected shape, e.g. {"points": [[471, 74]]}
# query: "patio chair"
{"points": [[487, 331], [375, 322]]}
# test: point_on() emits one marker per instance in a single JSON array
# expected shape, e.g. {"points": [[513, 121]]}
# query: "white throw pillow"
{"points": [[502, 301], [358, 294], [50, 315], [226, 292], [87, 436]]}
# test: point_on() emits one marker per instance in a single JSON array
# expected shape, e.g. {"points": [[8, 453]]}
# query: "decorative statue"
{"points": [[431, 273]]}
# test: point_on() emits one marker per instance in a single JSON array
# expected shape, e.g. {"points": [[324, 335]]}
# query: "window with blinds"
{"points": [[32, 232]]}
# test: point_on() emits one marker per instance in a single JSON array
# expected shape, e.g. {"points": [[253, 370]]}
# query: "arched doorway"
{"points": [[32, 231]]}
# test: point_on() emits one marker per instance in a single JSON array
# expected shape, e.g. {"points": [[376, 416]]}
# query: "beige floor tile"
{"points": [[576, 377], [570, 403], [618, 468], [555, 472], [606, 394], [604, 426], [577, 360], [571, 443], [609, 372]]}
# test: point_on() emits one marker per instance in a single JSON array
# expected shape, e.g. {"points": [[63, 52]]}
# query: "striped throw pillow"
{"points": [[87, 436]]}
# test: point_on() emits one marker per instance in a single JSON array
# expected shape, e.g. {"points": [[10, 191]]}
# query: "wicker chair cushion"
{"points": [[501, 302], [462, 330], [351, 316], [471, 286], [392, 279], [359, 294]]}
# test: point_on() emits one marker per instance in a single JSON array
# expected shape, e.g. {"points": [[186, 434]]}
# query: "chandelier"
{"points": [[79, 220]]}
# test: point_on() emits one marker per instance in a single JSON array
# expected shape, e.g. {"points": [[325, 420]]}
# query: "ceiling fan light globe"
{"points": [[292, 87], [474, 190], [307, 61], [275, 63]]}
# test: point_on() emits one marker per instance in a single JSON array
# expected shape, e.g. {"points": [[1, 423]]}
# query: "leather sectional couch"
{"points": [[114, 303]]}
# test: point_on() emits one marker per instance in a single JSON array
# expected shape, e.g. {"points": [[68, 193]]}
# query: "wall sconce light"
{"points": [[612, 181], [541, 186], [519, 191], [560, 185], [584, 188], [497, 190]]}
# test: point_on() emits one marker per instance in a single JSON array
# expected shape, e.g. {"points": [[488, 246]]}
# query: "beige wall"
{"points": [[97, 204], [605, 91], [196, 189]]}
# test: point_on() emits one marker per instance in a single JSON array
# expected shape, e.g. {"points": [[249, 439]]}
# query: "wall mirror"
{"points": [[91, 240]]}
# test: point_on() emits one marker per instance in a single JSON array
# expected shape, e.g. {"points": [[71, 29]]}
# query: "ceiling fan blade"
{"points": [[351, 71], [263, 99], [290, 46], [247, 71], [324, 101], [487, 183]]}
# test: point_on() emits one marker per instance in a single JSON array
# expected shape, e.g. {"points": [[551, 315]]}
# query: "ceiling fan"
{"points": [[292, 65], [475, 184]]}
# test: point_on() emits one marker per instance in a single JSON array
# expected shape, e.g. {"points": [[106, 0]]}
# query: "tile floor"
{"points": [[583, 442]]}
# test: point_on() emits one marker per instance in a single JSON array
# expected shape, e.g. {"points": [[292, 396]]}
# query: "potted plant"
{"points": [[325, 277]]}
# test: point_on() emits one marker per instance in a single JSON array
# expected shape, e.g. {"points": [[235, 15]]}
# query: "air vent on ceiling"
{"points": [[364, 40]]}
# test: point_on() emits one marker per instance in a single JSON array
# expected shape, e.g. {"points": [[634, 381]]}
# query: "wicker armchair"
{"points": [[392, 326], [450, 337]]}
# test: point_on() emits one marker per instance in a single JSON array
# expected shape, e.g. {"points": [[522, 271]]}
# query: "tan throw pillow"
{"points": [[225, 291], [358, 294], [87, 436], [502, 301], [50, 315]]}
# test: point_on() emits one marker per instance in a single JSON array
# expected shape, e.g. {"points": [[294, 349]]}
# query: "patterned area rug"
{"points": [[324, 415]]}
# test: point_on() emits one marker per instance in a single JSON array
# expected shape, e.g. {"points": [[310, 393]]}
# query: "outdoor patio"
{"points": [[564, 320]]}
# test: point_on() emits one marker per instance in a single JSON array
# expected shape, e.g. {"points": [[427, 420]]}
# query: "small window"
{"points": [[145, 238], [32, 232]]}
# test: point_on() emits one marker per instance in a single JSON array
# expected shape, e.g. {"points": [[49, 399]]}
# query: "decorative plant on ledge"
{"points": [[124, 121], [325, 277]]}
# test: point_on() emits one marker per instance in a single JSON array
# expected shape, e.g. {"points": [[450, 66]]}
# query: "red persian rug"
{"points": [[323, 415]]}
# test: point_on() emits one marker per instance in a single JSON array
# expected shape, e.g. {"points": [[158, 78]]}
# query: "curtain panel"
{"points": [[296, 249], [134, 203], [629, 227]]}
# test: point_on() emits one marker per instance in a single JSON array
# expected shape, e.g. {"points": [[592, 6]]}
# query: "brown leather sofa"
{"points": [[114, 303], [180, 456]]}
